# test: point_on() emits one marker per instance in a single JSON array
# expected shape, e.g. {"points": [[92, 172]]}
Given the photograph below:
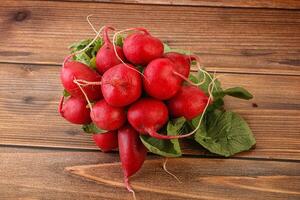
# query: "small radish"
{"points": [[106, 57], [182, 62], [141, 48], [108, 117], [148, 115], [74, 110], [75, 70], [189, 102], [121, 85], [132, 152], [159, 79], [106, 141]]}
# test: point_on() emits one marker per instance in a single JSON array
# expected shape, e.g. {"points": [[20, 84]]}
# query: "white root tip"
{"points": [[83, 92], [168, 172], [129, 188]]}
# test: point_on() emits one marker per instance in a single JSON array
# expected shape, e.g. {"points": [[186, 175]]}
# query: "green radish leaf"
{"points": [[66, 93], [92, 128], [168, 49], [166, 148], [119, 40], [88, 56], [238, 92], [224, 133]]}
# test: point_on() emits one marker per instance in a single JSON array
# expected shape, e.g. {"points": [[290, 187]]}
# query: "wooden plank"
{"points": [[228, 40], [39, 174], [29, 96], [282, 4], [203, 179]]}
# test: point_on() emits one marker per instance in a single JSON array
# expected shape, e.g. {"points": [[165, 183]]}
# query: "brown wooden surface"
{"points": [[283, 4], [255, 48], [42, 176], [231, 39]]}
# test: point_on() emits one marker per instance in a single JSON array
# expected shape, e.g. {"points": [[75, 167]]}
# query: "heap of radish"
{"points": [[136, 94]]}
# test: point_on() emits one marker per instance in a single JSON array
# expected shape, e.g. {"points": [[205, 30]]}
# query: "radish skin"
{"points": [[108, 117], [106, 141]]}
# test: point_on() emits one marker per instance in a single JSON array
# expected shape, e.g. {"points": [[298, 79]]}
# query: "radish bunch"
{"points": [[130, 92]]}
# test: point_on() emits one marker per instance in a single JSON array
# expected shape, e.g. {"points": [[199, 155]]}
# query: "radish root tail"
{"points": [[85, 83], [168, 172], [129, 188], [61, 105]]}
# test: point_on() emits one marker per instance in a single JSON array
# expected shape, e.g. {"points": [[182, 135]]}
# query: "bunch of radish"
{"points": [[132, 88]]}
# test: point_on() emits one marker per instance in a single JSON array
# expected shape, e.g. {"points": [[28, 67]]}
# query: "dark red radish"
{"points": [[182, 62], [106, 56], [75, 70], [75, 110], [159, 79], [140, 48], [108, 117], [148, 115], [132, 152], [121, 85], [189, 102], [106, 141]]}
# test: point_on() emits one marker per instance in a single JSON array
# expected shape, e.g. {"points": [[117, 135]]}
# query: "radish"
{"points": [[107, 117], [159, 79], [132, 152], [182, 62], [75, 70], [74, 110], [148, 115], [106, 57], [121, 85], [141, 48], [189, 102], [106, 141]]}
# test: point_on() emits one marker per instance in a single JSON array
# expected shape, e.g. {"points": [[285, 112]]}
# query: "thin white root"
{"points": [[115, 50], [86, 83], [83, 92], [90, 23], [166, 170], [129, 188], [188, 80]]}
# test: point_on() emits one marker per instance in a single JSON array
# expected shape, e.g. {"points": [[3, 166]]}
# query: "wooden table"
{"points": [[256, 44]]}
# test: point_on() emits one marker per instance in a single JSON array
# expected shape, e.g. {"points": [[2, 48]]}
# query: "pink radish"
{"points": [[108, 117], [106, 57], [189, 102], [106, 141], [132, 152], [182, 62], [141, 48], [75, 70], [148, 115], [159, 79], [121, 85], [74, 110]]}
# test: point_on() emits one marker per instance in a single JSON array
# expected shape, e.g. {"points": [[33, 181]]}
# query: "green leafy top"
{"points": [[92, 128]]}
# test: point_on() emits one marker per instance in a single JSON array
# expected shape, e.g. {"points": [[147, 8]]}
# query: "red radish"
{"points": [[74, 110], [106, 141], [108, 117], [148, 115], [75, 70], [159, 79], [121, 85], [132, 152], [182, 62], [189, 102], [141, 48], [106, 57]]}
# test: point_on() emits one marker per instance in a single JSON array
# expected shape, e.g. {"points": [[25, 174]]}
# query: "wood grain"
{"points": [[205, 178], [283, 4], [228, 40], [39, 174], [30, 93]]}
